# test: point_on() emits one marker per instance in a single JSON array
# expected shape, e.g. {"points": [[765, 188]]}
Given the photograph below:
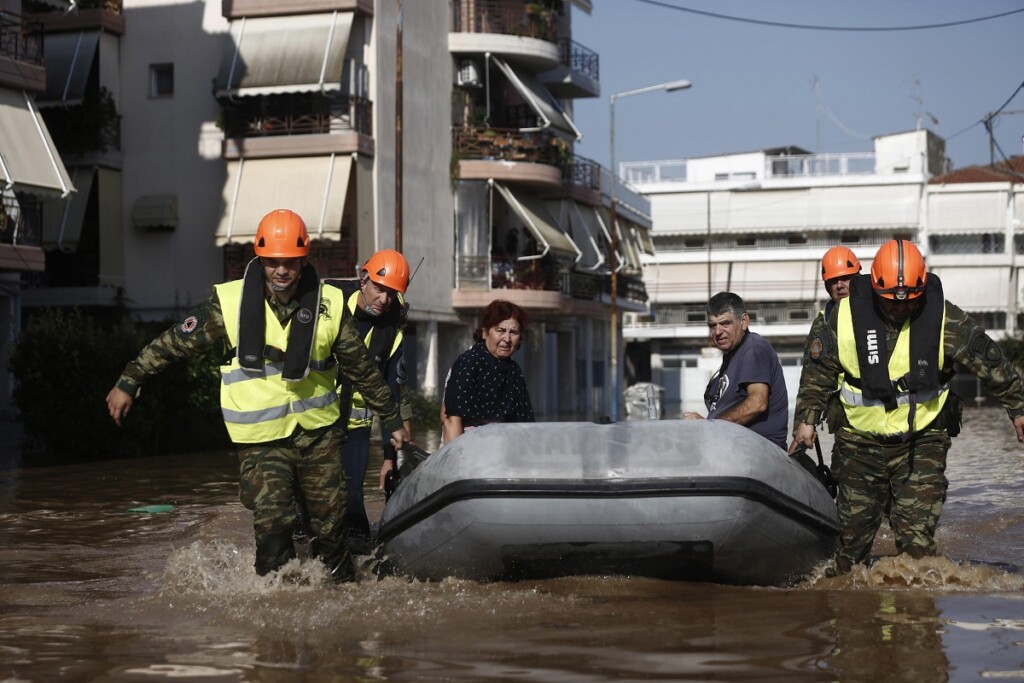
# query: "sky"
{"points": [[758, 86]]}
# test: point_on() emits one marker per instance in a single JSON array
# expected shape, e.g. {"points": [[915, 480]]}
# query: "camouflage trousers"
{"points": [[912, 475], [269, 475]]}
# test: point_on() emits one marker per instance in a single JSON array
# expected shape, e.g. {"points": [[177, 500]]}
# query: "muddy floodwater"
{"points": [[90, 591]]}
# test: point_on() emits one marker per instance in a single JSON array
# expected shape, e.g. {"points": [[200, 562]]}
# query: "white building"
{"points": [[758, 224]]}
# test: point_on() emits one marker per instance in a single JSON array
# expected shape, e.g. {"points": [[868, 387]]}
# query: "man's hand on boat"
{"points": [[400, 437], [693, 416], [803, 437]]}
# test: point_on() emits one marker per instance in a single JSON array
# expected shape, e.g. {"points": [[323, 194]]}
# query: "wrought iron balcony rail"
{"points": [[579, 58], [296, 115], [20, 220], [506, 144], [506, 17], [20, 39]]}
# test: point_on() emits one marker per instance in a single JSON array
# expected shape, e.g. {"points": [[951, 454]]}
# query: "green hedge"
{"points": [[65, 363]]}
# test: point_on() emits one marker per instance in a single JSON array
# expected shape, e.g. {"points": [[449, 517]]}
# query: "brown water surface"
{"points": [[92, 592]]}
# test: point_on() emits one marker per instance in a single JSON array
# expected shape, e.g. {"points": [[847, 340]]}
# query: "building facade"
{"points": [[441, 128]]}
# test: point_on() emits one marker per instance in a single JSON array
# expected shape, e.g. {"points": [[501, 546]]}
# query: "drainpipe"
{"points": [[398, 130]]}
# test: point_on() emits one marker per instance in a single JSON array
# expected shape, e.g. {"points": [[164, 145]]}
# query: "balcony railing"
{"points": [[585, 173], [506, 17], [20, 219], [20, 40], [507, 144], [778, 166], [297, 115], [579, 58], [788, 166]]}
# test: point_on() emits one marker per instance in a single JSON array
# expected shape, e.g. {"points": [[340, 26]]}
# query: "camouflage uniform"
{"points": [[913, 473], [269, 471]]}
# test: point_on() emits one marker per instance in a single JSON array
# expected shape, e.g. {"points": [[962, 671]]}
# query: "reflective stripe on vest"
{"points": [[260, 406], [869, 416], [359, 414]]}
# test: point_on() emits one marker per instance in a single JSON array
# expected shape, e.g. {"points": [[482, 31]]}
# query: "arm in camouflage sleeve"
{"points": [[965, 342], [359, 368], [201, 330], [820, 373]]}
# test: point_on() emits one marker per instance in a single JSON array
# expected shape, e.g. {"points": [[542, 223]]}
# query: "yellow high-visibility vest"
{"points": [[259, 405], [359, 414], [869, 416]]}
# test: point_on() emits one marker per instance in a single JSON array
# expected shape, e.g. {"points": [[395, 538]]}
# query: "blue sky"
{"points": [[753, 85]]}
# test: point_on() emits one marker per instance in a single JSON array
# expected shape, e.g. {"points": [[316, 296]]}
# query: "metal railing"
{"points": [[20, 220], [775, 166], [579, 58], [697, 242], [505, 17], [297, 115], [583, 172], [20, 40], [696, 316], [506, 144]]}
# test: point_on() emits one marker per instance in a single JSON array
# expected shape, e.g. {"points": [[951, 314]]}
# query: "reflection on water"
{"points": [[90, 591]]}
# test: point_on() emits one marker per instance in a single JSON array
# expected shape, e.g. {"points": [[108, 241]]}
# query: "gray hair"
{"points": [[726, 302]]}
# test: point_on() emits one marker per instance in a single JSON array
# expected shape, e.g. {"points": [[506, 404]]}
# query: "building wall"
{"points": [[172, 147]]}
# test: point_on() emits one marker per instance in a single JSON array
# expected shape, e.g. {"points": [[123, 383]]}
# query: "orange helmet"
{"points": [[282, 234], [898, 271], [389, 268], [837, 262]]}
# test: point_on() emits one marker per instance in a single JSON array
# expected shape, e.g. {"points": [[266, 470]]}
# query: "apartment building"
{"points": [[442, 128], [33, 174], [757, 223]]}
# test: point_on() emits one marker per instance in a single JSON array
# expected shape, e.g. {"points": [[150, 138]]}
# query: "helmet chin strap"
{"points": [[281, 288]]}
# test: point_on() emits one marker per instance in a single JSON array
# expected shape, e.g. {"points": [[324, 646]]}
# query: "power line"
{"points": [[812, 27]]}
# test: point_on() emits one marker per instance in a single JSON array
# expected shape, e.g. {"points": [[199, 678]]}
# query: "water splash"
{"points": [[929, 573]]}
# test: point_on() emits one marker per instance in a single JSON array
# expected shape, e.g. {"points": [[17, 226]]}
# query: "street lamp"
{"points": [[613, 244]]}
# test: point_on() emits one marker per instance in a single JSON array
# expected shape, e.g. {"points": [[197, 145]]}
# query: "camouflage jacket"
{"points": [[964, 342], [203, 329]]}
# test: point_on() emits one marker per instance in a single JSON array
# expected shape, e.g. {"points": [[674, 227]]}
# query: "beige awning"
{"points": [[28, 159], [540, 99], [604, 219], [285, 54], [585, 231], [68, 58], [62, 220], [156, 212], [539, 221], [313, 187]]}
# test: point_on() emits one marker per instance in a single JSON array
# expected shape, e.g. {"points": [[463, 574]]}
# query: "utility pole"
{"points": [[398, 130]]}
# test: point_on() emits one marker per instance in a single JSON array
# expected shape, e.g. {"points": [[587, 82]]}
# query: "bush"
{"points": [[65, 363]]}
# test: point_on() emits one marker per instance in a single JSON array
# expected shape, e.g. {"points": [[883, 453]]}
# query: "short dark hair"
{"points": [[497, 311], [726, 302]]}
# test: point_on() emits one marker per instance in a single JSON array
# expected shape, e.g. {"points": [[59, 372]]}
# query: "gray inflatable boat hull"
{"points": [[701, 500]]}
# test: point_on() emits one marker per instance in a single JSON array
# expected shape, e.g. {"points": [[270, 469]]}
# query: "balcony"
{"points": [[104, 15], [20, 234], [527, 31], [577, 74], [21, 54], [94, 126], [284, 125], [484, 153], [541, 284]]}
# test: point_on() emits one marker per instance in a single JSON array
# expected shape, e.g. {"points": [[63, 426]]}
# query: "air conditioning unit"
{"points": [[469, 77]]}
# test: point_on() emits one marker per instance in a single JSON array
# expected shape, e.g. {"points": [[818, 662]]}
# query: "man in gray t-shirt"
{"points": [[749, 388]]}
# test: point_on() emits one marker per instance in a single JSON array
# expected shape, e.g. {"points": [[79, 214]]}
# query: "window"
{"points": [[161, 80]]}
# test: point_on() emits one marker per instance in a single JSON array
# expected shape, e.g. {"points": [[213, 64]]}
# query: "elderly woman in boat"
{"points": [[484, 384]]}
